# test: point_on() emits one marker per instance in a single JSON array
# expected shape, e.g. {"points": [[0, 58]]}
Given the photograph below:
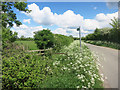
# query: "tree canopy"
{"points": [[9, 18], [44, 39], [8, 15]]}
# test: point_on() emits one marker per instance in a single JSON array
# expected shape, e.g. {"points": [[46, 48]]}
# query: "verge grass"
{"points": [[75, 69], [105, 44]]}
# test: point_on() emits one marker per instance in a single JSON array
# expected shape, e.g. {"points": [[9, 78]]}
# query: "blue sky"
{"points": [[59, 16]]}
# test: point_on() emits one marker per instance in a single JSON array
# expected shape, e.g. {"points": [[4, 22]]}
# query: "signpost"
{"points": [[78, 29]]}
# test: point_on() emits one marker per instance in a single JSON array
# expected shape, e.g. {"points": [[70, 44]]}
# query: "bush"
{"points": [[61, 40], [8, 37], [20, 69], [44, 39]]}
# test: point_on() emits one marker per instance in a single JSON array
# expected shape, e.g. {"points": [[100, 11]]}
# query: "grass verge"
{"points": [[105, 44], [75, 69]]}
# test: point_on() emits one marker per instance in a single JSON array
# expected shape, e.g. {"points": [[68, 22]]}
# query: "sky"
{"points": [[65, 17]]}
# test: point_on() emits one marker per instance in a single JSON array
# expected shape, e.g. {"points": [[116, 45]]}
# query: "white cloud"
{"points": [[68, 32], [26, 20], [46, 17], [90, 24], [60, 31], [105, 19], [25, 30], [69, 21], [95, 8]]}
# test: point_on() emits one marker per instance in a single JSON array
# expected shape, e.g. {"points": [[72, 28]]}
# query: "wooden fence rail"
{"points": [[38, 50], [43, 52]]}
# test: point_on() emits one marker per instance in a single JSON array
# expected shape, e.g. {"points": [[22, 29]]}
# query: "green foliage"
{"points": [[8, 15], [75, 70], [106, 34], [104, 43], [22, 69], [8, 18], [114, 23], [44, 39], [61, 40], [76, 38], [83, 38], [23, 38], [27, 70], [8, 37]]}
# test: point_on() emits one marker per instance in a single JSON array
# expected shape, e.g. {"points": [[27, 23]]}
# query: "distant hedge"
{"points": [[61, 40], [106, 34], [46, 39]]}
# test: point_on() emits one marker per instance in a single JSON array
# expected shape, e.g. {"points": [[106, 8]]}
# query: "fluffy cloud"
{"points": [[46, 17], [69, 21], [95, 8], [104, 20], [68, 18], [26, 20], [68, 32], [25, 30]]}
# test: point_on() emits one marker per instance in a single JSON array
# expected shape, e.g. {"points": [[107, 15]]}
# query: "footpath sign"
{"points": [[78, 29]]}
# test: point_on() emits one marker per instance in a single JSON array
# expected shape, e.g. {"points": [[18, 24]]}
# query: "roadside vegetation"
{"points": [[105, 44], [108, 37], [64, 66], [28, 70], [74, 69]]}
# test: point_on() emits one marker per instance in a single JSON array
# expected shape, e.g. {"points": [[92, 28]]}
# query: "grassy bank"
{"points": [[105, 44], [74, 69]]}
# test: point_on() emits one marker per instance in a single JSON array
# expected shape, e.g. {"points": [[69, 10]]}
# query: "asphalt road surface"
{"points": [[108, 58]]}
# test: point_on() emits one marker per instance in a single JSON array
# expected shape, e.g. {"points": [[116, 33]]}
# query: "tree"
{"points": [[8, 18], [114, 23], [8, 36], [8, 15], [115, 32], [44, 39], [22, 37]]}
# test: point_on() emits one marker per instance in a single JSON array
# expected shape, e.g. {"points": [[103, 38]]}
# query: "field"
{"points": [[30, 45]]}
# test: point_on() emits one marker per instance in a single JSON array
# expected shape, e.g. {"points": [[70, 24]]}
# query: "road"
{"points": [[108, 58]]}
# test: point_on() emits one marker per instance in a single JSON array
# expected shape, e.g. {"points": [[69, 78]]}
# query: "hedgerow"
{"points": [[75, 69], [23, 70]]}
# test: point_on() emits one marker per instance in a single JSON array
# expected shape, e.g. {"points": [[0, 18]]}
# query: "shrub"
{"points": [[8, 37], [61, 40], [44, 39], [22, 70]]}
